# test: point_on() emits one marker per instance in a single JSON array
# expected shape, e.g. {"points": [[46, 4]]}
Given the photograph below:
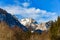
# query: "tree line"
{"points": [[55, 29]]}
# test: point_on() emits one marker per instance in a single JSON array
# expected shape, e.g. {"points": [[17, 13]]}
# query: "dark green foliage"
{"points": [[55, 30]]}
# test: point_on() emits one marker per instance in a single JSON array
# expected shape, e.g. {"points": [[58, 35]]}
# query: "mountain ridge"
{"points": [[25, 24], [12, 29], [10, 20]]}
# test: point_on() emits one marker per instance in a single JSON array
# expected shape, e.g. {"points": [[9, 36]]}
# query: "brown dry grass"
{"points": [[5, 32], [15, 33], [43, 36]]}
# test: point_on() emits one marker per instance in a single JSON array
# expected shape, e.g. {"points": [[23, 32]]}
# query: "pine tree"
{"points": [[55, 29]]}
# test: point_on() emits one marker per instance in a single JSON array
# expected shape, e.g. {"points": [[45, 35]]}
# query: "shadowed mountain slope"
{"points": [[10, 20]]}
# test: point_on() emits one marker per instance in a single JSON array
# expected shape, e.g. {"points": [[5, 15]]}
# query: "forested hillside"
{"points": [[55, 29]]}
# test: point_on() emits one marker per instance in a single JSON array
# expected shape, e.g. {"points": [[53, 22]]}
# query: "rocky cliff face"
{"points": [[29, 23], [41, 26], [32, 25]]}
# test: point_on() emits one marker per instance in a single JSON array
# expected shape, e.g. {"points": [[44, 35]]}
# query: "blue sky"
{"points": [[40, 10]]}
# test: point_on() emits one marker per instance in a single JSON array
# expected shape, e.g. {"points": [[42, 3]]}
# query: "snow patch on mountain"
{"points": [[32, 25]]}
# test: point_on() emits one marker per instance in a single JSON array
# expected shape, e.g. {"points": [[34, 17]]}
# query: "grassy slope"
{"points": [[7, 33]]}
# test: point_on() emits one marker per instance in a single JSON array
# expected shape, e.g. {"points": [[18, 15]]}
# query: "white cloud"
{"points": [[30, 12], [20, 10], [25, 4]]}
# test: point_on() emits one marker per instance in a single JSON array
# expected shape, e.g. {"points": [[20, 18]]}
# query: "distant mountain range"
{"points": [[26, 24], [32, 25]]}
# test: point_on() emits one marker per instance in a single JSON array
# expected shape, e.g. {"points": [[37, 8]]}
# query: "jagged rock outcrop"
{"points": [[41, 26], [29, 23], [33, 26]]}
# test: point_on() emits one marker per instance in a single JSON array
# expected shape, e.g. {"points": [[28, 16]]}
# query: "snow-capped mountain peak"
{"points": [[29, 23], [41, 26], [32, 25]]}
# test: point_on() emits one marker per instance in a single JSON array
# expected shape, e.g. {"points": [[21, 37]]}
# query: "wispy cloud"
{"points": [[32, 12], [26, 4]]}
